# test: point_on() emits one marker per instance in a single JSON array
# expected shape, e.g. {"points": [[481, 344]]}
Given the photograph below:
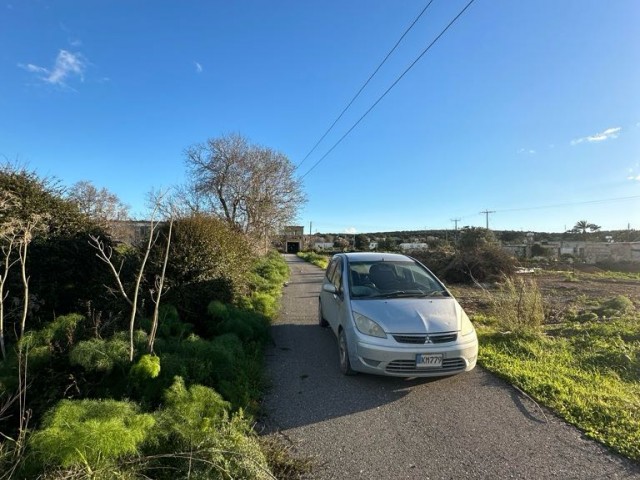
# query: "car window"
{"points": [[378, 278], [336, 275], [331, 268]]}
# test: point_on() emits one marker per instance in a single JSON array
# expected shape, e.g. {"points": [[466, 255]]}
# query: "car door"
{"points": [[332, 303]]}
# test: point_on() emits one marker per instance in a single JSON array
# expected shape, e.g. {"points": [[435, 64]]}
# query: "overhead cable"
{"points": [[364, 84], [388, 89]]}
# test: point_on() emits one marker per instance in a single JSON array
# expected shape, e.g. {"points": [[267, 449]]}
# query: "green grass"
{"points": [[316, 259], [589, 373]]}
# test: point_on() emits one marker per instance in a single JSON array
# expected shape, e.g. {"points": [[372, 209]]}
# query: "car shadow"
{"points": [[305, 385]]}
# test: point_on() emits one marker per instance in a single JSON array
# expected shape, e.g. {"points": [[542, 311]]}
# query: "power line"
{"points": [[389, 89], [557, 205], [365, 84]]}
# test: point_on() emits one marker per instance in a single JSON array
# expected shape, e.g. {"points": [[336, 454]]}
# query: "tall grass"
{"points": [[517, 306]]}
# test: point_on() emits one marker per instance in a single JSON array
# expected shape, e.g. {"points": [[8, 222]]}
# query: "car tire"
{"points": [[343, 351], [321, 321]]}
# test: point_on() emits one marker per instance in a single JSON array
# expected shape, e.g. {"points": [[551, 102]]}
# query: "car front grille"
{"points": [[449, 365], [421, 339]]}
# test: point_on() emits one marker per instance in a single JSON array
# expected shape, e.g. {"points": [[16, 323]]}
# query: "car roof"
{"points": [[375, 257]]}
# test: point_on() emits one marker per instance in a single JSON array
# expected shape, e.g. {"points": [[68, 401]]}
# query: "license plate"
{"points": [[429, 360]]}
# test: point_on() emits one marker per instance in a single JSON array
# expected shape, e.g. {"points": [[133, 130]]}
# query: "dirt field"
{"points": [[561, 291]]}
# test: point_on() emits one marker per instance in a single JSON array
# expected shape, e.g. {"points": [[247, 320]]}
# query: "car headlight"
{"points": [[467, 327], [367, 326]]}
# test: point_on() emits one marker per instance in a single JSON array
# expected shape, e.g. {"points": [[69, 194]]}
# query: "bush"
{"points": [[518, 306], [205, 439], [615, 307], [485, 263], [249, 326], [208, 261], [98, 355], [89, 433], [316, 259]]}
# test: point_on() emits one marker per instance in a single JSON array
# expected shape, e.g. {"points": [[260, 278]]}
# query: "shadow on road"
{"points": [[307, 386]]}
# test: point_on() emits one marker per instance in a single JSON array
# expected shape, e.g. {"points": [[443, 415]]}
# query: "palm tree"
{"points": [[582, 226]]}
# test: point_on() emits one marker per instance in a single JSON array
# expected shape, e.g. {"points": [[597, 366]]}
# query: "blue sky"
{"points": [[528, 108]]}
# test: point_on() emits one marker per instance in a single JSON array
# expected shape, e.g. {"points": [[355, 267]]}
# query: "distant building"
{"points": [[323, 245], [589, 252], [407, 247], [293, 238]]}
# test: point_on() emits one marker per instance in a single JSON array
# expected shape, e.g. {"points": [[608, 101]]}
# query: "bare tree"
{"points": [[99, 204], [252, 187], [8, 238], [159, 288], [105, 253]]}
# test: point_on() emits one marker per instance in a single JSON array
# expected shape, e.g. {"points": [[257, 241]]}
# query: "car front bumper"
{"points": [[400, 360]]}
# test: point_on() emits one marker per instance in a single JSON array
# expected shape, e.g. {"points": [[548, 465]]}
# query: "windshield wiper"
{"points": [[401, 293]]}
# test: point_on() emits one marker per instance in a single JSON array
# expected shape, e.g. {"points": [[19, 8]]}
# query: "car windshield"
{"points": [[392, 279]]}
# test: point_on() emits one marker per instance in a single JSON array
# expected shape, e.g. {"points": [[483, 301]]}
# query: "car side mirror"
{"points": [[330, 287]]}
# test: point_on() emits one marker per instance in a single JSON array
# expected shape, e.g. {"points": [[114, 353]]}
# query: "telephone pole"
{"points": [[455, 221], [487, 212]]}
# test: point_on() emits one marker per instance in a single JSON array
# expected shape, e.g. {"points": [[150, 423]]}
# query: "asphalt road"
{"points": [[472, 425]]}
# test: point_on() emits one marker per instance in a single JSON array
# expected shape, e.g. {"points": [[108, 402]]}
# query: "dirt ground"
{"points": [[560, 291]]}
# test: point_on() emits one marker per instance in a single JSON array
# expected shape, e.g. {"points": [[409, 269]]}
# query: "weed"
{"points": [[518, 306], [283, 462]]}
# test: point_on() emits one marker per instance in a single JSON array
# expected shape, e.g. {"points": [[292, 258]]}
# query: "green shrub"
{"points": [[61, 333], [89, 432], [249, 326], [314, 258], [206, 439], [148, 366], [616, 307], [99, 355]]}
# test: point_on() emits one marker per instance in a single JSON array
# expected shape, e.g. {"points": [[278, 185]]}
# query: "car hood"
{"points": [[412, 315]]}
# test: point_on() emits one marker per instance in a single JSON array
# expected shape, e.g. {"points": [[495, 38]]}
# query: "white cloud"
{"points": [[66, 65], [599, 137], [529, 151], [350, 231], [198, 67], [636, 178]]}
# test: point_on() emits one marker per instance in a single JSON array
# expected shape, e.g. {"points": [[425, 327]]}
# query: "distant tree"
{"points": [[475, 237], [341, 243], [251, 187], [387, 244], [582, 226], [362, 242], [99, 204]]}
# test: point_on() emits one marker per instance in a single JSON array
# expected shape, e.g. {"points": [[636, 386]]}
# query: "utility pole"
{"points": [[455, 234], [487, 212]]}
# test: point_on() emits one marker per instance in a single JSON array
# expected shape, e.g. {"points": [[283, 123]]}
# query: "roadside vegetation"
{"points": [[570, 339], [315, 258], [131, 360], [586, 367]]}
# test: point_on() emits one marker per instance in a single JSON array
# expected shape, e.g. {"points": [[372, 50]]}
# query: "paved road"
{"points": [[468, 426]]}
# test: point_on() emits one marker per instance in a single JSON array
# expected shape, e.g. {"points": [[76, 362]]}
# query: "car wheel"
{"points": [[343, 350], [321, 321]]}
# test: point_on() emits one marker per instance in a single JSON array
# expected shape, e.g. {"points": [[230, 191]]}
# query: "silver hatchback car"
{"points": [[392, 316]]}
